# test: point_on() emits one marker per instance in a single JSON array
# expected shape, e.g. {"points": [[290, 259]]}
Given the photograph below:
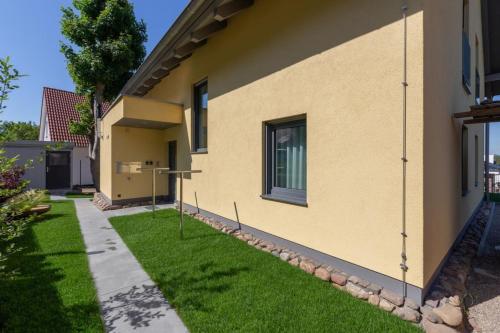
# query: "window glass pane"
{"points": [[290, 157], [201, 116], [465, 160]]}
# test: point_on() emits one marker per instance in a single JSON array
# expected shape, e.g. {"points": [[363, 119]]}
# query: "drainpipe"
{"points": [[403, 266]]}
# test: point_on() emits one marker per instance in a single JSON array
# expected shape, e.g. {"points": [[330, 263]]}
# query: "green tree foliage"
{"points": [[85, 126], [106, 47], [8, 74], [110, 44], [13, 131]]}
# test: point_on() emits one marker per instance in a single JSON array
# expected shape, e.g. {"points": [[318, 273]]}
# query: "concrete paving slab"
{"points": [[130, 301], [136, 210]]}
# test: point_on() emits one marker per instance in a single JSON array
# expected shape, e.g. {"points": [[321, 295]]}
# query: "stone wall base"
{"points": [[442, 311], [104, 203]]}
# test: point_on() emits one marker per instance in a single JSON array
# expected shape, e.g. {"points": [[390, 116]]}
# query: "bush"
{"points": [[14, 206], [11, 182]]}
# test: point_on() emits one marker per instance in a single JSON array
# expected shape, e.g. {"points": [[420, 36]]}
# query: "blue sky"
{"points": [[31, 34]]}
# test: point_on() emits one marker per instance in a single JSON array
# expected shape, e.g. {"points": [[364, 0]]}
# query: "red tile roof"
{"points": [[60, 108]]}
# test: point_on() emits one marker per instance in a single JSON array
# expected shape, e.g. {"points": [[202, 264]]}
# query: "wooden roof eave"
{"points": [[486, 113]]}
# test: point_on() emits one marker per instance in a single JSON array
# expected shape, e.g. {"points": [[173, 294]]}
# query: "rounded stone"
{"points": [[307, 266], [374, 300], [407, 314], [386, 305], [285, 256], [392, 297], [450, 314], [339, 279], [294, 262], [430, 327], [356, 291], [411, 304], [322, 273], [433, 317], [455, 301]]}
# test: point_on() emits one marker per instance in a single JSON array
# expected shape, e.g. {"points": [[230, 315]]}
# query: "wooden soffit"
{"points": [[480, 114], [200, 20]]}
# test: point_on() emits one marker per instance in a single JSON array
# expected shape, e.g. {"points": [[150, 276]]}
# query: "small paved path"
{"points": [[484, 282], [135, 210], [130, 301]]}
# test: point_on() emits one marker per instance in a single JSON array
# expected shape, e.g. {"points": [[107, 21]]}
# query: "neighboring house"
{"points": [[279, 103], [58, 109]]}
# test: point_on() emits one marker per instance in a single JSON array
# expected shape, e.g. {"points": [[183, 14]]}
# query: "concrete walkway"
{"points": [[130, 301], [484, 282], [135, 210]]}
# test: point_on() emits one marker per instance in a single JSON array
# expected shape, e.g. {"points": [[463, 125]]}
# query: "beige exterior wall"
{"points": [[125, 144], [346, 78], [107, 165], [446, 210]]}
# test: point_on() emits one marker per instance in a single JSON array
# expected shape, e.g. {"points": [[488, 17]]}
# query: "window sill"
{"points": [[197, 152], [270, 197]]}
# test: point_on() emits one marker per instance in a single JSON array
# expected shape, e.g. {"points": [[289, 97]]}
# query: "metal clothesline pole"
{"points": [[153, 185], [181, 196], [159, 170]]}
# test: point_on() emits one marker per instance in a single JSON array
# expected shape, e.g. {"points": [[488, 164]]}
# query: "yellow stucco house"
{"points": [[299, 112]]}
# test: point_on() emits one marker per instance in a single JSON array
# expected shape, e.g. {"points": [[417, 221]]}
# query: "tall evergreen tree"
{"points": [[106, 47]]}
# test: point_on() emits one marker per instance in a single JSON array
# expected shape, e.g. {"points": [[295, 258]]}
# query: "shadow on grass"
{"points": [[184, 288], [30, 301], [47, 217]]}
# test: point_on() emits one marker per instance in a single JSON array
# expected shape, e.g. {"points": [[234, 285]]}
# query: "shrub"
{"points": [[14, 206], [11, 182]]}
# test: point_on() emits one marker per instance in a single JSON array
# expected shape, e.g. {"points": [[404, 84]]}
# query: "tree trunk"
{"points": [[94, 153]]}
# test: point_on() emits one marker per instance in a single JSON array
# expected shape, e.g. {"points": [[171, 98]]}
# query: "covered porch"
{"points": [[132, 140]]}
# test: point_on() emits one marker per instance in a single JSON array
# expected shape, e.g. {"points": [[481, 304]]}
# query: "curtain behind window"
{"points": [[290, 157]]}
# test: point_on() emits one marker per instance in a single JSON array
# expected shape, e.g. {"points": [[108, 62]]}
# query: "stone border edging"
{"points": [[441, 312]]}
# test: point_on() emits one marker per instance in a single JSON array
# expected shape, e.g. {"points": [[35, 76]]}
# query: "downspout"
{"points": [[403, 266]]}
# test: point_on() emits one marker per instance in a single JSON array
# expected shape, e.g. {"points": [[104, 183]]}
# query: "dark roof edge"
{"points": [[173, 33], [37, 143]]}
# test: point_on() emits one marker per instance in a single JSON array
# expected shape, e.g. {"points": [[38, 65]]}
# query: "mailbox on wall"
{"points": [[128, 167]]}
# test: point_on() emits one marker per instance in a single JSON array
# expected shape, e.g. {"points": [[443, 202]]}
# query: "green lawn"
{"points": [[53, 291], [218, 283]]}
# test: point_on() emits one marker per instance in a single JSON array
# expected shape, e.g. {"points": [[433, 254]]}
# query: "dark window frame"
{"points": [[466, 48], [476, 160], [196, 147], [465, 160], [271, 192], [477, 90]]}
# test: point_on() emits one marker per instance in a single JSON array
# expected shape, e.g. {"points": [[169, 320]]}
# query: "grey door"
{"points": [[58, 170], [172, 165]]}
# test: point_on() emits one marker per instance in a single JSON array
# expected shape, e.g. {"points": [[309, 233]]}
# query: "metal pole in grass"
{"points": [[237, 216], [155, 171], [153, 185], [181, 196], [181, 221], [154, 192]]}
